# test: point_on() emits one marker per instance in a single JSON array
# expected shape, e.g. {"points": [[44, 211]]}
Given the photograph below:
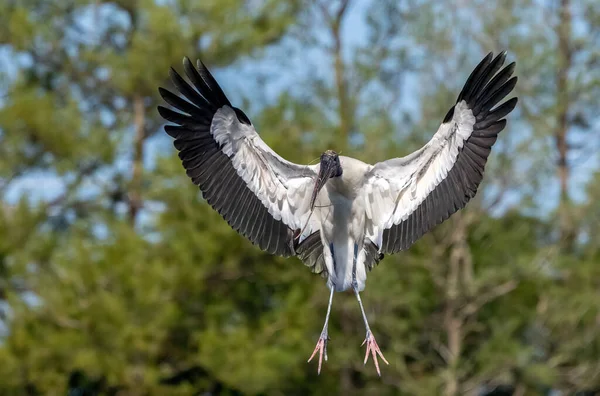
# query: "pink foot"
{"points": [[322, 349], [373, 348]]}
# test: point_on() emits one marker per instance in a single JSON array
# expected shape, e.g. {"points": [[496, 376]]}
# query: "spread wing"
{"points": [[406, 197], [261, 195]]}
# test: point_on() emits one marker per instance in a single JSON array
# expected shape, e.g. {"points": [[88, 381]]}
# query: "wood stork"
{"points": [[342, 215]]}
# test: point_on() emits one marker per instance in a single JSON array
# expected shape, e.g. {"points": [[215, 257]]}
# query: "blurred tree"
{"points": [[121, 280], [91, 299], [558, 44]]}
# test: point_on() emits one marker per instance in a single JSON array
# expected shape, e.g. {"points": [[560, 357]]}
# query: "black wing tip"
{"points": [[485, 69], [201, 66], [162, 110], [501, 57], [488, 78], [168, 114], [189, 67], [203, 88], [175, 76], [510, 68], [474, 77], [186, 61], [509, 86], [488, 68], [205, 83], [163, 92], [511, 103]]}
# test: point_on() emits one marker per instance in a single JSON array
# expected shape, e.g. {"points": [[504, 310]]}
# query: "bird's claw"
{"points": [[322, 349], [374, 350]]}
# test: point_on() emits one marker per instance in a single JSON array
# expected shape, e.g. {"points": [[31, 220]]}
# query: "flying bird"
{"points": [[340, 216]]}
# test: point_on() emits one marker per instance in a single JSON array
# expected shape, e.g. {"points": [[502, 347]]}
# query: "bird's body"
{"points": [[342, 215], [340, 209]]}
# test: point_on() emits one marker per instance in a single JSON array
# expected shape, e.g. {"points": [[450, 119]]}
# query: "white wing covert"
{"points": [[261, 195], [406, 197]]}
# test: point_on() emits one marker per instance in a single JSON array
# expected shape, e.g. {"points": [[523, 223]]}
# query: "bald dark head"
{"points": [[330, 162], [329, 167]]}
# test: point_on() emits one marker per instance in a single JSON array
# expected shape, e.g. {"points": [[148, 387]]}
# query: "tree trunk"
{"points": [[459, 272], [520, 390], [560, 134], [344, 111], [135, 192], [342, 91]]}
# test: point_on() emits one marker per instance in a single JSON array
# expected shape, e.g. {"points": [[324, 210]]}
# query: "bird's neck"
{"points": [[351, 180]]}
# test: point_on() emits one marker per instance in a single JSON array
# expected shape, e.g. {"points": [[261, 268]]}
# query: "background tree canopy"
{"points": [[116, 278]]}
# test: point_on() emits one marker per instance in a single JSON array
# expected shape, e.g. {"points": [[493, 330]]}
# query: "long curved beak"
{"points": [[326, 171]]}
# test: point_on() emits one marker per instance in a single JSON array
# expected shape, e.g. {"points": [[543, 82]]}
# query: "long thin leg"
{"points": [[372, 346], [322, 343], [362, 310]]}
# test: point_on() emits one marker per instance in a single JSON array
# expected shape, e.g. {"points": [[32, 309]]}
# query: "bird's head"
{"points": [[329, 167]]}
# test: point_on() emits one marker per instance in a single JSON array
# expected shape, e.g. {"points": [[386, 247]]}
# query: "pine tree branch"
{"points": [[487, 297]]}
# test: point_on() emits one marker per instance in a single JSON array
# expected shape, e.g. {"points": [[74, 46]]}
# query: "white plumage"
{"points": [[342, 215], [399, 185], [282, 187]]}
